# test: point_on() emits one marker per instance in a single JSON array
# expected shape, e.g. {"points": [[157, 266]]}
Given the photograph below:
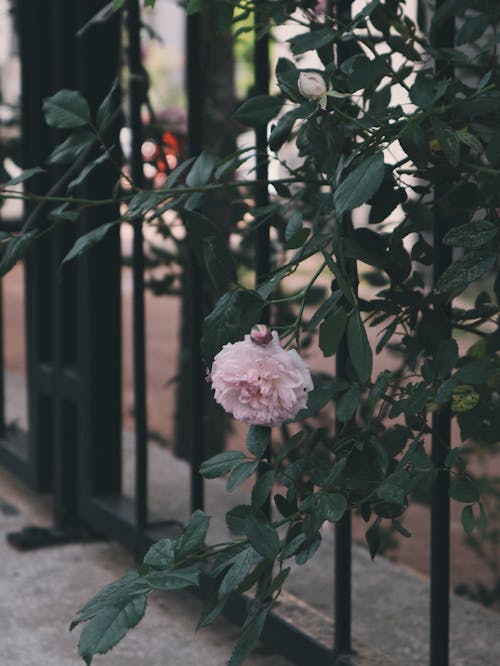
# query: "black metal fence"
{"points": [[73, 445]]}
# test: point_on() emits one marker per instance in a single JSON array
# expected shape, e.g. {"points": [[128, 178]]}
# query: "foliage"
{"points": [[421, 152]]}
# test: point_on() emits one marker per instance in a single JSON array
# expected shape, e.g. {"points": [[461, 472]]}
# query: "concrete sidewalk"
{"points": [[40, 591]]}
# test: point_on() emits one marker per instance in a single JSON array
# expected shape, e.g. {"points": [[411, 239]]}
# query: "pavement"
{"points": [[40, 591]]}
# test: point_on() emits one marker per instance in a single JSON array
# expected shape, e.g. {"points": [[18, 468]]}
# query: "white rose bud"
{"points": [[311, 85]]}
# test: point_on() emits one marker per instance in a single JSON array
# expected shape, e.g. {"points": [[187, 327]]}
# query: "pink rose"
{"points": [[260, 384]]}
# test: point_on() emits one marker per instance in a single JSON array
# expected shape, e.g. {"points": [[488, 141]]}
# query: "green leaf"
{"points": [[462, 272], [219, 264], [87, 170], [288, 75], [482, 521], [468, 519], [13, 249], [108, 105], [109, 626], [333, 506], [446, 357], [262, 488], [258, 440], [193, 535], [173, 579], [242, 563], [312, 40], [372, 535], [67, 151], [284, 126], [201, 170], [415, 142], [472, 29], [448, 141], [308, 548], [24, 176], [67, 109], [240, 474], [471, 235], [360, 351], [88, 240], [118, 4], [464, 490], [262, 536], [293, 546], [249, 637], [258, 110], [347, 403], [236, 517], [231, 319], [220, 464], [361, 184], [424, 92], [331, 332], [161, 554], [62, 212], [366, 72]]}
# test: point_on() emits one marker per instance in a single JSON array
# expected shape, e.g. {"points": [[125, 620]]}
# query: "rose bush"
{"points": [[404, 122]]}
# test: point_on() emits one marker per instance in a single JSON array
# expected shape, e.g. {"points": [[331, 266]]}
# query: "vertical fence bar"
{"points": [[261, 73], [343, 528], [136, 98], [262, 238], [194, 81], [2, 367], [441, 431]]}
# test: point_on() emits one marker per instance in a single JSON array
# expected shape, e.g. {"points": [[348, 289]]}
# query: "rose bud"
{"points": [[311, 85], [261, 335]]}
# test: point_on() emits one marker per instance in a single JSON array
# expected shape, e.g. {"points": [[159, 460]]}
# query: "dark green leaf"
{"points": [[482, 521], [258, 440], [293, 546], [462, 272], [13, 249], [360, 351], [220, 464], [68, 150], [311, 41], [161, 554], [193, 535], [415, 142], [471, 235], [468, 519], [333, 506], [173, 579], [262, 536], [249, 638], [240, 474], [308, 548], [262, 488], [231, 319], [87, 170], [331, 332], [373, 538], [446, 358], [88, 240], [237, 572], [24, 176], [236, 517], [284, 126], [288, 75], [258, 110], [476, 372], [109, 104], [361, 184], [66, 109], [464, 490], [472, 29], [109, 626], [201, 170], [347, 404]]}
